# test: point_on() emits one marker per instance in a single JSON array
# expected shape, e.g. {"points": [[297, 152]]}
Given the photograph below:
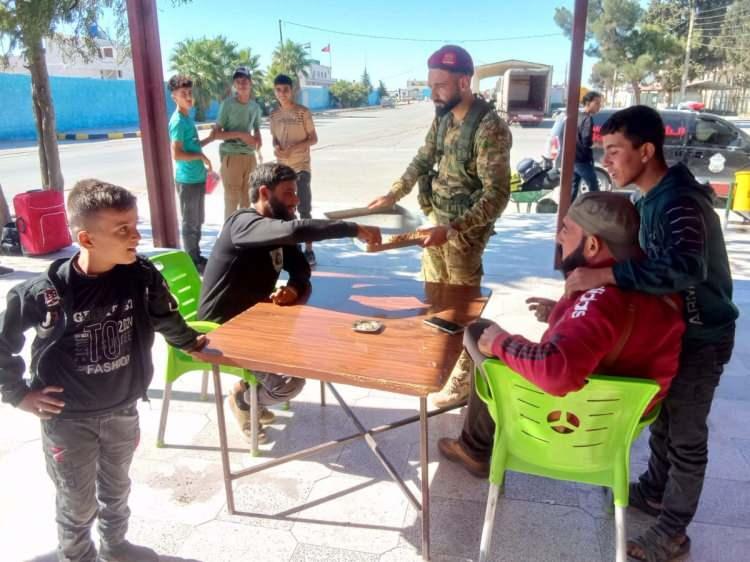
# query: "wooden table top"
{"points": [[315, 339]]}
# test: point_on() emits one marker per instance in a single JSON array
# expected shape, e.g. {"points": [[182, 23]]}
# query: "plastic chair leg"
{"points": [[204, 386], [621, 548], [254, 421], [489, 522], [163, 416]]}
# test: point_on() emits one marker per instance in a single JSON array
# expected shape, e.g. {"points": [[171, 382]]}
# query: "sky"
{"points": [[256, 25]]}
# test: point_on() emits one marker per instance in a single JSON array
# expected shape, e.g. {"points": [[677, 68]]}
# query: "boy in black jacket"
{"points": [[682, 237], [94, 316], [252, 249]]}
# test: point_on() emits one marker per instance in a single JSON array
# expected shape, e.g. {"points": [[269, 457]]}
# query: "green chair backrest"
{"points": [[183, 281], [584, 436]]}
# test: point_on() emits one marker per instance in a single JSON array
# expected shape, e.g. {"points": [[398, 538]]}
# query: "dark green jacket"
{"points": [[684, 244]]}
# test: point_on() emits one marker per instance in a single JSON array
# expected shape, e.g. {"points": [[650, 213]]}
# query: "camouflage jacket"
{"points": [[489, 171]]}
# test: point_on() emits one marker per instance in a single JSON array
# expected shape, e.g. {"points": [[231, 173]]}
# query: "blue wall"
{"points": [[314, 98], [373, 98], [80, 104]]}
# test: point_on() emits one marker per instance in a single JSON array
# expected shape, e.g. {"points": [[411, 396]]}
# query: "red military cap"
{"points": [[453, 59]]}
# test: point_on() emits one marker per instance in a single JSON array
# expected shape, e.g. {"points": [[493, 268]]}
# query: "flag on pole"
{"points": [[326, 49]]}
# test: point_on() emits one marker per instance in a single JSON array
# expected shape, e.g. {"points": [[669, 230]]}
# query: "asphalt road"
{"points": [[358, 156]]}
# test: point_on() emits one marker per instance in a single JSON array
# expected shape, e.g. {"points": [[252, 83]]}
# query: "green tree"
{"points": [[210, 63], [350, 94], [24, 26], [366, 82], [382, 90], [290, 58], [617, 34], [734, 45], [673, 17]]}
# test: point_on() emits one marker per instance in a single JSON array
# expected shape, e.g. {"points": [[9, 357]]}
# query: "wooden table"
{"points": [[314, 339]]}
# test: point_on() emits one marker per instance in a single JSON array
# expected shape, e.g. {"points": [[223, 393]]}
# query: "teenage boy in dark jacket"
{"points": [[94, 316], [682, 237], [255, 244]]}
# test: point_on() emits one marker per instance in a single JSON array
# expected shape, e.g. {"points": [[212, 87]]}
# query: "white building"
{"points": [[110, 62], [317, 75]]}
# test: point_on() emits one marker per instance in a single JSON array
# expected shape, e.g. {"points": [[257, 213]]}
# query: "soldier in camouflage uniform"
{"points": [[463, 173]]}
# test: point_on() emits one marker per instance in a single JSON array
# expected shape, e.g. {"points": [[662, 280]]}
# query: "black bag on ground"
{"points": [[10, 242]]}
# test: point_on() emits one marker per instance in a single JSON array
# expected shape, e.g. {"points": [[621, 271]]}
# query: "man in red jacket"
{"points": [[605, 329]]}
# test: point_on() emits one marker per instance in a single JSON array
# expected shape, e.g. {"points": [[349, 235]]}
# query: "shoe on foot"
{"points": [[455, 391], [243, 419], [310, 257], [266, 416], [452, 450], [126, 552]]}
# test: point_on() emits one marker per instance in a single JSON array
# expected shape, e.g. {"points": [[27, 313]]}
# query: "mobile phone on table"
{"points": [[444, 325]]}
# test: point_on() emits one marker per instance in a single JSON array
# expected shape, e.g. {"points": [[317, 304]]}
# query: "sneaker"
{"points": [[243, 418], [310, 257], [452, 450], [455, 391], [126, 552], [266, 416]]}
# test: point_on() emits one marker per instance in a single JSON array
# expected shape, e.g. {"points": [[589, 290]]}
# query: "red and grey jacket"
{"points": [[604, 330]]}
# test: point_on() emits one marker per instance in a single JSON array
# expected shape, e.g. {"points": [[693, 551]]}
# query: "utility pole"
{"points": [[281, 36], [686, 67]]}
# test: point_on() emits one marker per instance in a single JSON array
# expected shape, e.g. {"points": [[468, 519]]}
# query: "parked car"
{"points": [[387, 101], [711, 147]]}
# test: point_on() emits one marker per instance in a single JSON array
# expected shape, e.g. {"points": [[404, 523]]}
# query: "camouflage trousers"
{"points": [[457, 262]]}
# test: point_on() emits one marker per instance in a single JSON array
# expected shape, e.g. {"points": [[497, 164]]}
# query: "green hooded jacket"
{"points": [[684, 244]]}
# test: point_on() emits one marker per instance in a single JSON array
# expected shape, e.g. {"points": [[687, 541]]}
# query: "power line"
{"points": [[714, 9], [422, 40]]}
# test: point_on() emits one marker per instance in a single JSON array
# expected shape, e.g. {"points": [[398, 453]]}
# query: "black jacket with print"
{"points": [[45, 303], [249, 255]]}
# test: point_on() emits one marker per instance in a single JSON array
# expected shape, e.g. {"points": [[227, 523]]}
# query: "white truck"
{"points": [[522, 95]]}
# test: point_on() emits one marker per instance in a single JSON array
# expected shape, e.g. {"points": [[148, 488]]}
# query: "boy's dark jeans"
{"points": [[88, 460], [192, 208], [679, 436], [584, 171]]}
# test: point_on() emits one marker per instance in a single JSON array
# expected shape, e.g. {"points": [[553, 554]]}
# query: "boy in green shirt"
{"points": [[238, 116], [190, 164]]}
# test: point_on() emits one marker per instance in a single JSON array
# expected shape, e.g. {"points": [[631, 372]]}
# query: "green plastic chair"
{"points": [[185, 285], [584, 436]]}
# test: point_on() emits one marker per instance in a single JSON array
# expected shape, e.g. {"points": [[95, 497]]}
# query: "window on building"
{"points": [[108, 53]]}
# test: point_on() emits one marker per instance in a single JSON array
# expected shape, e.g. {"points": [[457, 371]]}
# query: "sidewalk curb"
{"points": [[200, 126], [98, 136]]}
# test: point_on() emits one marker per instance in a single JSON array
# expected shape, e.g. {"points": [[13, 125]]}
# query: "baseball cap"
{"points": [[611, 217], [453, 59], [242, 71]]}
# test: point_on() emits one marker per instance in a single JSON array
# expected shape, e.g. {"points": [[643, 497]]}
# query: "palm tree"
{"points": [[210, 63], [291, 58]]}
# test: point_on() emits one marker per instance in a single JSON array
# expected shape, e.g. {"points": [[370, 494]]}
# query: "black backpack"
{"points": [[10, 242]]}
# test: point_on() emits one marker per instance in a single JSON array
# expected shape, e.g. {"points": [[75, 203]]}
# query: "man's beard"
{"points": [[279, 210], [443, 108], [574, 260]]}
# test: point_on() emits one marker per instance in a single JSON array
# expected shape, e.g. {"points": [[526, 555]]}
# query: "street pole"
{"points": [[281, 36], [153, 118], [686, 66], [571, 119]]}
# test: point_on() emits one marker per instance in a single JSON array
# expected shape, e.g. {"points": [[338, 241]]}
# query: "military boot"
{"points": [[455, 391]]}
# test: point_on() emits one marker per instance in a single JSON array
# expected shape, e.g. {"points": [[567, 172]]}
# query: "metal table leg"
{"points": [[223, 439], [424, 465]]}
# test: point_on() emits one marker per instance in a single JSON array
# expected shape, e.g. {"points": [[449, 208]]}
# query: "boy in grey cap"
{"points": [[238, 125]]}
